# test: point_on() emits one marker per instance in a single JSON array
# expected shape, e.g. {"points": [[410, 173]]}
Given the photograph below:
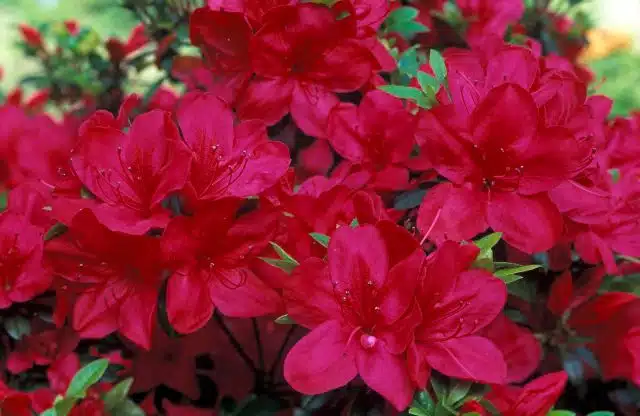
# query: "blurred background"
{"points": [[614, 52]]}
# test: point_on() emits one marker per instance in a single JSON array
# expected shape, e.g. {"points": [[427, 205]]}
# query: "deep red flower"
{"points": [[228, 160], [212, 250], [456, 304], [31, 36], [21, 246], [116, 276], [360, 307], [119, 50], [302, 55], [504, 144], [377, 134], [43, 346], [536, 398], [14, 403], [130, 172], [489, 17]]}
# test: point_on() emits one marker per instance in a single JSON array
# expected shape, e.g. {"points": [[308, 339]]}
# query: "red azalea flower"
{"points": [[456, 304], [21, 247], [117, 278], [378, 134], [514, 146], [41, 347], [211, 250], [171, 361], [302, 55], [489, 17], [31, 36], [536, 398], [131, 172], [119, 50], [360, 307], [14, 403], [228, 160]]}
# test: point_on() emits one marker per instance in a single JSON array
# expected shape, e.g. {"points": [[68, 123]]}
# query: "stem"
{"points": [[234, 342], [281, 351], [256, 333], [629, 259]]}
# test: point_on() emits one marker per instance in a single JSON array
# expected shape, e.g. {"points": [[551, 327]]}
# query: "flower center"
{"points": [[368, 341]]}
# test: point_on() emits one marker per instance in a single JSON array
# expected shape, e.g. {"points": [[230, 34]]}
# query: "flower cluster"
{"points": [[341, 207]]}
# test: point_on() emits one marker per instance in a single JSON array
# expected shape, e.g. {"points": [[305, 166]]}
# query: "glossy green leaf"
{"points": [[118, 394], [437, 64], [458, 392], [400, 91], [488, 242], [321, 239], [283, 254], [284, 320], [427, 81], [516, 270], [86, 377], [17, 326]]}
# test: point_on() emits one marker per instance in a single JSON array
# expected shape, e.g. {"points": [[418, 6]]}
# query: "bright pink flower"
{"points": [[302, 56], [456, 304], [378, 134], [132, 172], [228, 160], [117, 278], [360, 307], [536, 398], [22, 274]]}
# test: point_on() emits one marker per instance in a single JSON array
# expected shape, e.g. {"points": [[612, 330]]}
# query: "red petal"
{"points": [[530, 223], [310, 107], [467, 358], [319, 362], [387, 374], [189, 306], [265, 99], [239, 293]]}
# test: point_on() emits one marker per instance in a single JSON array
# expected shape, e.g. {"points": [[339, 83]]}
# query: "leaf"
{"points": [[561, 413], [321, 239], [409, 63], [439, 388], [17, 327], [510, 279], [4, 200], [118, 394], [437, 64], [523, 289], [63, 406], [458, 392], [615, 175], [128, 408], [86, 377], [283, 265], [284, 320], [488, 242], [516, 270], [601, 413], [422, 405], [400, 91], [55, 231], [283, 254], [403, 14], [416, 411], [427, 81], [354, 223], [410, 199]]}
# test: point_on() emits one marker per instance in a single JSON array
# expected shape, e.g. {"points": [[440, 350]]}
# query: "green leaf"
{"points": [[403, 14], [427, 81], [354, 223], [615, 175], [416, 411], [4, 200], [561, 413], [516, 270], [86, 377], [55, 231], [283, 265], [422, 405], [601, 413], [117, 394], [128, 408], [439, 387], [410, 199], [523, 289], [458, 392], [63, 406], [17, 327], [400, 91], [442, 409], [488, 242], [283, 254], [284, 320], [409, 62], [510, 279], [437, 64], [321, 239]]}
